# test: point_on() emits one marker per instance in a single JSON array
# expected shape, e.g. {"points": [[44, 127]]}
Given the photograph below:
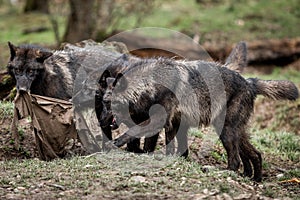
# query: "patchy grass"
{"points": [[13, 23], [196, 133], [290, 174], [277, 115], [281, 144], [230, 21], [125, 175], [7, 149], [6, 109]]}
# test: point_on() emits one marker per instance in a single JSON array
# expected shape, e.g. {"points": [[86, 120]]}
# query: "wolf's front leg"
{"points": [[148, 128]]}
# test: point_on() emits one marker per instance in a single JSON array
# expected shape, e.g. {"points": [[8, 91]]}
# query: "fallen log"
{"points": [[260, 52], [278, 52]]}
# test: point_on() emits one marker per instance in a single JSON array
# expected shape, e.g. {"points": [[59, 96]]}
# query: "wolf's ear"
{"points": [[120, 83], [102, 81], [42, 55], [13, 51], [237, 60]]}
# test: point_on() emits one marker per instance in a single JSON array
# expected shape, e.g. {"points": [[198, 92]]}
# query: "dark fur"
{"points": [[39, 71], [139, 88], [52, 73], [103, 108], [236, 61]]}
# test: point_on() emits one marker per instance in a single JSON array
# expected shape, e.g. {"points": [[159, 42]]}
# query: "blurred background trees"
{"points": [[208, 21], [211, 20], [93, 19], [36, 5], [98, 18], [81, 20]]}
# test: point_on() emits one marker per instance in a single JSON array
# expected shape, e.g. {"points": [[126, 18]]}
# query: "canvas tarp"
{"points": [[53, 125]]}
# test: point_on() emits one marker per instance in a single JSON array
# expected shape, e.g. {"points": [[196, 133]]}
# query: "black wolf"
{"points": [[235, 61], [192, 94], [36, 70], [52, 73]]}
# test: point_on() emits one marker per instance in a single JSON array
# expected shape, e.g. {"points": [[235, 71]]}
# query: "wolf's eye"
{"points": [[30, 71], [18, 71]]}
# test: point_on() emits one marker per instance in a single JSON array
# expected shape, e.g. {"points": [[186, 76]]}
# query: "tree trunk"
{"points": [[37, 6], [81, 21]]}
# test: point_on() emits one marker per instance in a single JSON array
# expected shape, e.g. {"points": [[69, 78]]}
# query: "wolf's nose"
{"points": [[22, 89]]}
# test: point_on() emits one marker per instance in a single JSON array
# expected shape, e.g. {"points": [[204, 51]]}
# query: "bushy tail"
{"points": [[278, 90]]}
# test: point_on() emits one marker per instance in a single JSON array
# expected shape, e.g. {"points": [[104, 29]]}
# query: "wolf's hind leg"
{"points": [[230, 141], [255, 157], [246, 163]]}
